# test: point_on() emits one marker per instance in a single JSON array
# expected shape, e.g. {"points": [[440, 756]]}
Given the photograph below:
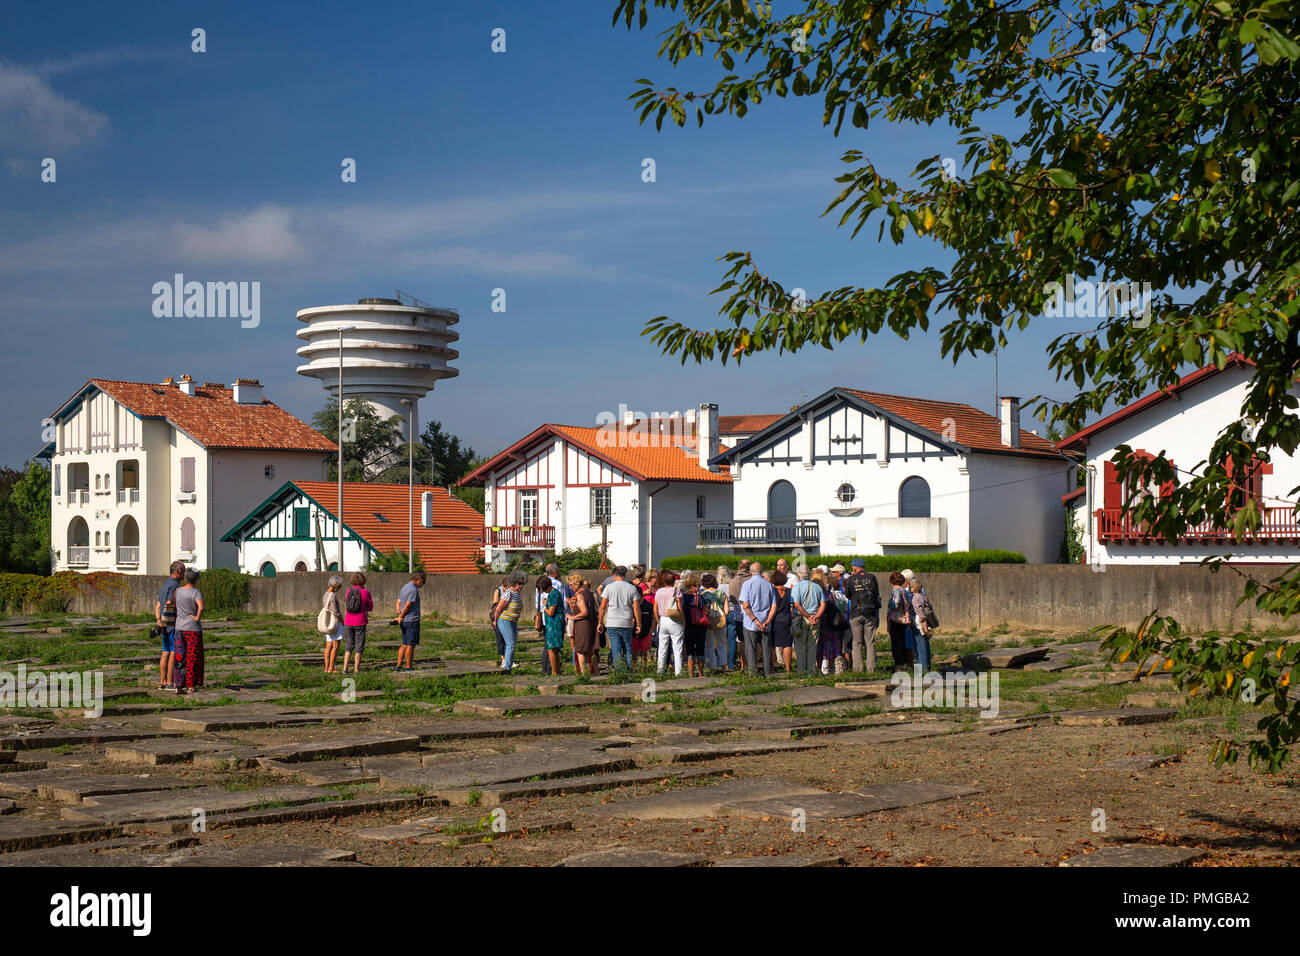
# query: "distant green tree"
{"points": [[394, 560], [376, 444], [25, 519]]}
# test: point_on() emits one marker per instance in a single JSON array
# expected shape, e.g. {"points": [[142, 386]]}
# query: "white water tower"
{"points": [[392, 349]]}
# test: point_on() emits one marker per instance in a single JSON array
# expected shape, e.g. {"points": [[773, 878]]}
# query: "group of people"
{"points": [[179, 616], [821, 620], [346, 623]]}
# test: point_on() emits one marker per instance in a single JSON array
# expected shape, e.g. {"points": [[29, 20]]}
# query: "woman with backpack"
{"points": [[330, 622], [694, 608], [357, 605], [496, 630], [715, 641], [899, 617], [641, 643]]}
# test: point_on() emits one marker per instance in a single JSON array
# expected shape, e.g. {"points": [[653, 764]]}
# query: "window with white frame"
{"points": [[601, 505], [528, 508]]}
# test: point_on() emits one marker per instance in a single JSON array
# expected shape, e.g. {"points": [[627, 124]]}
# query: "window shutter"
{"points": [[1111, 497], [187, 534], [1167, 487], [57, 483], [591, 511], [187, 474]]}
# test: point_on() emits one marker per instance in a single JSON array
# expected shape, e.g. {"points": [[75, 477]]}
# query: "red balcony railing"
{"points": [[520, 536], [1274, 524]]}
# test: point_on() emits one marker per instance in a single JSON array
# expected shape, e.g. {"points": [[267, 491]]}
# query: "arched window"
{"points": [[334, 565], [268, 570], [187, 534], [914, 498], [781, 512], [97, 539], [97, 482], [300, 566]]}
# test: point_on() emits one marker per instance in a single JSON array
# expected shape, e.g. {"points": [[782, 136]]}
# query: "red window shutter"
{"points": [[1167, 487], [1111, 497]]}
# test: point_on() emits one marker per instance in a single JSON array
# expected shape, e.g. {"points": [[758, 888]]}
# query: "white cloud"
{"points": [[34, 118], [265, 234]]}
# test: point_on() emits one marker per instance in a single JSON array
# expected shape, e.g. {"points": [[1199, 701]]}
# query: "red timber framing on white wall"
{"points": [[585, 470], [540, 471]]}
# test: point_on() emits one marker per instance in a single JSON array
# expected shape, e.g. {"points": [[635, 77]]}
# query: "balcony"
{"points": [[128, 555], [523, 537], [801, 532], [79, 557], [125, 495], [1275, 524], [78, 496], [912, 532]]}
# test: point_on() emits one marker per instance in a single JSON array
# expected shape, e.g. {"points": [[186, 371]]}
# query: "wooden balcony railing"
{"points": [[520, 536], [770, 534], [1276, 524]]}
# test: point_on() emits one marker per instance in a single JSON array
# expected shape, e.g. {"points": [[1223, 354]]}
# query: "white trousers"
{"points": [[671, 634]]}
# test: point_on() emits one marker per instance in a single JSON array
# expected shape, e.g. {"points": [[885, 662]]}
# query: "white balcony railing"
{"points": [[125, 495], [79, 496], [128, 555], [79, 557]]}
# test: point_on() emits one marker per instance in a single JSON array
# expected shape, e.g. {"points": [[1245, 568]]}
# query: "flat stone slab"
{"points": [[500, 706], [1123, 717], [1004, 657], [150, 753], [633, 856], [180, 804], [57, 737], [847, 806], [497, 793], [23, 833], [363, 746], [404, 831], [783, 860], [811, 694], [75, 788], [1137, 854], [692, 803], [8, 806], [739, 748], [122, 851], [894, 733], [204, 724], [271, 854], [7, 756], [326, 772], [509, 768]]}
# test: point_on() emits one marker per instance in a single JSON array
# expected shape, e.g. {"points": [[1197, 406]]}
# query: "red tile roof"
{"points": [[1079, 438], [964, 424], [449, 547], [1076, 493], [213, 418], [744, 424], [663, 460]]}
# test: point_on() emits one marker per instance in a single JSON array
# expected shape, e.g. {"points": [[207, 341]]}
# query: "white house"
{"points": [[1181, 422], [295, 528], [143, 474], [643, 484], [862, 472]]}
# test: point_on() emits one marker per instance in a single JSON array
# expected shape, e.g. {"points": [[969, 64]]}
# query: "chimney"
{"points": [[187, 385], [629, 416], [426, 509], [706, 433], [248, 391], [169, 380], [1010, 416]]}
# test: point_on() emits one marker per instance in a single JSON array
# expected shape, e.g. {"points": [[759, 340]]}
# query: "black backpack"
{"points": [[834, 616], [354, 603]]}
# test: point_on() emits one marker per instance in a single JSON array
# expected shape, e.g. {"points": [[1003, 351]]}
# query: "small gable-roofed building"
{"points": [[296, 528], [862, 472]]}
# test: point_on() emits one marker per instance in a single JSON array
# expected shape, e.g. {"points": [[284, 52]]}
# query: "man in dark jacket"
{"points": [[864, 614]]}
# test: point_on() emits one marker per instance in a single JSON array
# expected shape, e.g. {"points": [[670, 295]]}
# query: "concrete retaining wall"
{"points": [[1020, 596]]}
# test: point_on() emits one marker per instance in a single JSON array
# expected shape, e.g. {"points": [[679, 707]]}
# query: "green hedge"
{"points": [[52, 594], [225, 590], [936, 562]]}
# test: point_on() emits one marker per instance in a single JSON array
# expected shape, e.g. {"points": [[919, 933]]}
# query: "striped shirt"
{"points": [[513, 604]]}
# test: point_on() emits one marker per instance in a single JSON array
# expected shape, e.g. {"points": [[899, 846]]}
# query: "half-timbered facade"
{"points": [[862, 472], [143, 474], [1181, 422], [640, 487]]}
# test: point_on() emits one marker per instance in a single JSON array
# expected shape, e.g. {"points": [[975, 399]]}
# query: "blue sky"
{"points": [[475, 170]]}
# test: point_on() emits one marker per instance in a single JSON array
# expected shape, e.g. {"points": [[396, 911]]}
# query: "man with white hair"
{"points": [[758, 605]]}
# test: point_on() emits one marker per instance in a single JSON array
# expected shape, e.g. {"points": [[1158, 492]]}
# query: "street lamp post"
{"points": [[342, 329], [410, 485]]}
